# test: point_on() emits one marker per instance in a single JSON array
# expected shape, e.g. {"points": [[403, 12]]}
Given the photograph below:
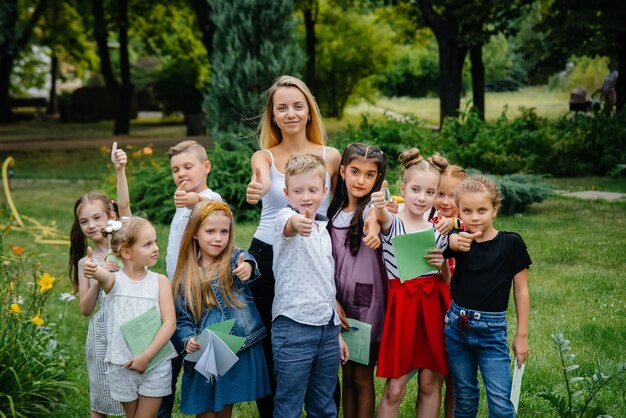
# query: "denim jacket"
{"points": [[247, 319]]}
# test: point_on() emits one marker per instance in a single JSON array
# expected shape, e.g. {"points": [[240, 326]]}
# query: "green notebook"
{"points": [[357, 338], [139, 333], [410, 250]]}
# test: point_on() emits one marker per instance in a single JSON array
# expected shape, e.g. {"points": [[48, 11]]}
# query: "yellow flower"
{"points": [[36, 320], [15, 309], [45, 282], [147, 150]]}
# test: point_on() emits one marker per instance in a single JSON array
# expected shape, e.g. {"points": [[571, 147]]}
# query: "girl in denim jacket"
{"points": [[210, 286]]}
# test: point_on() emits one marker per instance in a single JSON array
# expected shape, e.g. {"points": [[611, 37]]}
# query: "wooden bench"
{"points": [[38, 103]]}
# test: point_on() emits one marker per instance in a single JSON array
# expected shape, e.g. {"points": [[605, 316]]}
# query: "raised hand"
{"points": [[180, 195], [303, 224], [378, 198], [392, 205], [118, 156], [90, 267], [255, 188], [371, 228], [243, 269], [463, 240], [444, 225]]}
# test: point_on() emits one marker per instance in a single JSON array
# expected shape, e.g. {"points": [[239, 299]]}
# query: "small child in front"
{"points": [[488, 261], [306, 343]]}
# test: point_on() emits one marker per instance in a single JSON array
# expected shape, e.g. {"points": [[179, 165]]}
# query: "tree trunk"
{"points": [[478, 79], [203, 16], [451, 58], [450, 66], [52, 95], [620, 87], [122, 119], [6, 67], [310, 18]]}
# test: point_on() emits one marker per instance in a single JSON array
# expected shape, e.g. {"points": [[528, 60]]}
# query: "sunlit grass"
{"points": [[547, 104], [576, 284]]}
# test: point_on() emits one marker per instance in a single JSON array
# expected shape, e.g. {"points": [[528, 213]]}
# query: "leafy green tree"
{"points": [[577, 27], [352, 48], [120, 91], [18, 20], [253, 44]]}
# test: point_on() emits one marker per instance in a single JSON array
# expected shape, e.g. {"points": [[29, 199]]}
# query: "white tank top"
{"points": [[274, 200]]}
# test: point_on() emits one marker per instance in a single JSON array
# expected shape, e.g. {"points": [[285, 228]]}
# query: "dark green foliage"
{"points": [[34, 374], [177, 88], [574, 400], [519, 191], [392, 136], [414, 72], [152, 190], [588, 143], [351, 49], [253, 44], [230, 175], [500, 148]]}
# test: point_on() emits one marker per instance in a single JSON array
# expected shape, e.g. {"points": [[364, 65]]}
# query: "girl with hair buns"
{"points": [[412, 336], [290, 123]]}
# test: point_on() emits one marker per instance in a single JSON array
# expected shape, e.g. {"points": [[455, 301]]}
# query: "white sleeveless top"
{"points": [[127, 300], [274, 200]]}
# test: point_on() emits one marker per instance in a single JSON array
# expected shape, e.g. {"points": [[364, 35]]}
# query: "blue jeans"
{"points": [[476, 339], [306, 363]]}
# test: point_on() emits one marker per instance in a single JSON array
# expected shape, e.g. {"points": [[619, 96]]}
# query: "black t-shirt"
{"points": [[483, 275]]}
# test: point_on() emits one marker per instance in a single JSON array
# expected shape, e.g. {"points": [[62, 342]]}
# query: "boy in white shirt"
{"points": [[190, 169], [306, 343]]}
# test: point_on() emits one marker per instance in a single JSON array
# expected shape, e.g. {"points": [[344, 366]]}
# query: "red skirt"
{"points": [[413, 330]]}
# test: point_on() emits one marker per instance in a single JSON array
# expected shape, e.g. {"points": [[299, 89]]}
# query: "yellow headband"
{"points": [[213, 206]]}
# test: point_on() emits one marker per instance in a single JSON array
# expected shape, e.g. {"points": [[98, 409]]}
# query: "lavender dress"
{"points": [[360, 280]]}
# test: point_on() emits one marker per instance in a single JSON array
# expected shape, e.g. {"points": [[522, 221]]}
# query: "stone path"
{"points": [[594, 195]]}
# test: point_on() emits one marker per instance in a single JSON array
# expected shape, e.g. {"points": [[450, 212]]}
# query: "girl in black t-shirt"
{"points": [[487, 263]]}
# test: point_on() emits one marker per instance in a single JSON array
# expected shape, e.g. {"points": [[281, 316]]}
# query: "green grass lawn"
{"points": [[576, 285]]}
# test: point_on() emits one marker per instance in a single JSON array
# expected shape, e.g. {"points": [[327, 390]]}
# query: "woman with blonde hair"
{"points": [[290, 123]]}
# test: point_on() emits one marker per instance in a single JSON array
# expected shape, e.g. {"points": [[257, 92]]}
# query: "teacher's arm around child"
{"points": [[131, 292], [489, 262]]}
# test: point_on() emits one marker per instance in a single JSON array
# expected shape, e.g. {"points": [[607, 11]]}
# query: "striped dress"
{"points": [[96, 348]]}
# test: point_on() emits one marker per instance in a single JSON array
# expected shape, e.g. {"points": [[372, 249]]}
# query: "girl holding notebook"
{"points": [[414, 319], [211, 285], [131, 292]]}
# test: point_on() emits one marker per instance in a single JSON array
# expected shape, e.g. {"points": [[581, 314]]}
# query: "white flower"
{"points": [[66, 296], [19, 300], [113, 226]]}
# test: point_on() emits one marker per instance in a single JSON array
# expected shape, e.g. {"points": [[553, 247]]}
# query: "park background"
{"points": [[486, 83]]}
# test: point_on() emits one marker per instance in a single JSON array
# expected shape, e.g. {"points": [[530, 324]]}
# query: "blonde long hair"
{"points": [[269, 133], [193, 282]]}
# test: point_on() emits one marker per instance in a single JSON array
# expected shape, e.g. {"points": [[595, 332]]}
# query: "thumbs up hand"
{"points": [[371, 229], [90, 267], [118, 156], [378, 198], [463, 240], [180, 195], [444, 225], [255, 188], [303, 223], [243, 270]]}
